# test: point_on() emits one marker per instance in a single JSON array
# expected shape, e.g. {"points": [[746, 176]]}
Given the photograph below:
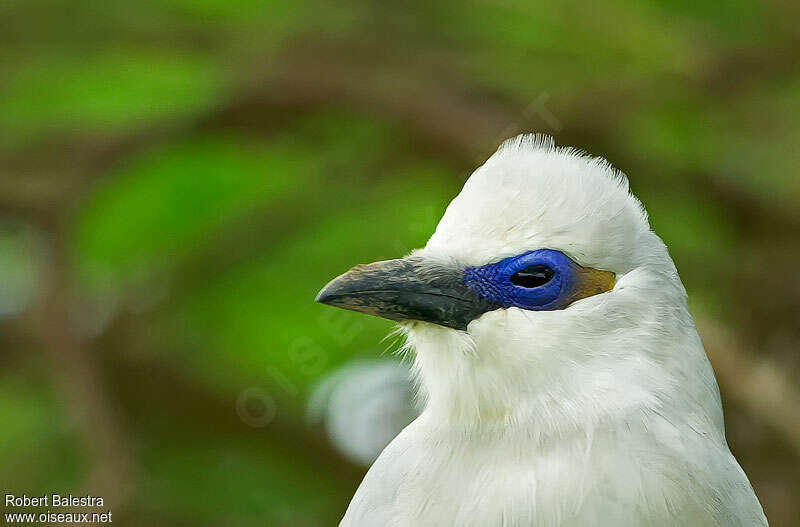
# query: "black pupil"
{"points": [[533, 276]]}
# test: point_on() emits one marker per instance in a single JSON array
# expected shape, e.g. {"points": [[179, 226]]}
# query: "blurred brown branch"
{"points": [[756, 383], [83, 389]]}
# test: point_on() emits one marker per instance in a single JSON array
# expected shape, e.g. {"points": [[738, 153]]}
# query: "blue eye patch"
{"points": [[540, 280]]}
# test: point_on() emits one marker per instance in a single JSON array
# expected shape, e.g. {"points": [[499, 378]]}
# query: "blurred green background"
{"points": [[178, 178]]}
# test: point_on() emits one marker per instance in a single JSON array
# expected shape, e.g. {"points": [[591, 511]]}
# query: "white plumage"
{"points": [[603, 413]]}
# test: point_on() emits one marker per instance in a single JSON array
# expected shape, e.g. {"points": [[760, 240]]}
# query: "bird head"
{"points": [[543, 291]]}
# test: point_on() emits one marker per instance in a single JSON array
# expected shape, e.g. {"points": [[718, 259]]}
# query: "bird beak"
{"points": [[407, 289]]}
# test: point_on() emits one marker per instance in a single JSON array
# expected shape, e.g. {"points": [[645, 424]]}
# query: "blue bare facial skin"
{"points": [[537, 280], [415, 288]]}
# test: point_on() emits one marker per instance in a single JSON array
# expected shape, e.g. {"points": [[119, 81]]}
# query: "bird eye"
{"points": [[533, 276]]}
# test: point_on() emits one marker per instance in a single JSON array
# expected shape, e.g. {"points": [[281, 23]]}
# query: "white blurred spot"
{"points": [[21, 257], [363, 406]]}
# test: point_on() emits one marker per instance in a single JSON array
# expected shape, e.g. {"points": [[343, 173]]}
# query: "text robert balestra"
{"points": [[53, 500]]}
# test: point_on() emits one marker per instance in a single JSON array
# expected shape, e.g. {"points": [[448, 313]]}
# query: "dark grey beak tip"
{"points": [[327, 293], [323, 296]]}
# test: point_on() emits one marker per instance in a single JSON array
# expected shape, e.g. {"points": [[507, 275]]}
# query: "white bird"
{"points": [[564, 381]]}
